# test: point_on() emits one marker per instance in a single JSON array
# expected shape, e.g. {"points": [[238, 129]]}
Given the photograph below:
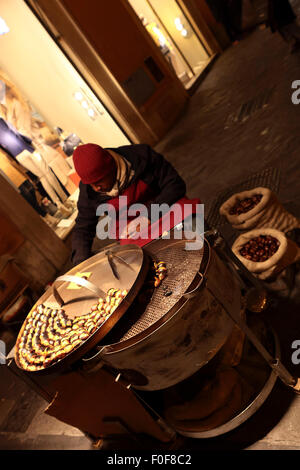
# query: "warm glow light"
{"points": [[178, 24], [3, 27], [78, 95], [85, 102], [180, 28], [37, 156], [160, 36]]}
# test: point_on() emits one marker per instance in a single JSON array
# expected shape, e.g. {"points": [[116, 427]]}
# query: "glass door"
{"points": [[174, 35]]}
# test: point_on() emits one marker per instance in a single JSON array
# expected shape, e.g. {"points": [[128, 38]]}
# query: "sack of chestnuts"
{"points": [[257, 208], [265, 252]]}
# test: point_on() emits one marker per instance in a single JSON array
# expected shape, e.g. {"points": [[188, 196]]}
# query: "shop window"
{"points": [[174, 36], [46, 110], [31, 157]]}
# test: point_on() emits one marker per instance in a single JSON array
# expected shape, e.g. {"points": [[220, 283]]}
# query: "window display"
{"points": [[29, 157]]}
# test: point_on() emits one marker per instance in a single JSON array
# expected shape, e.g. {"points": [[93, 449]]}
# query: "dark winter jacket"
{"points": [[280, 13], [150, 167]]}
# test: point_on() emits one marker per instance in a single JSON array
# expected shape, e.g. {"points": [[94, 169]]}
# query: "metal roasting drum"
{"points": [[158, 337], [177, 332], [182, 327]]}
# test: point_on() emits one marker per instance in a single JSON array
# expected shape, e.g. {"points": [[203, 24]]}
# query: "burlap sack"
{"points": [[269, 212], [287, 253]]}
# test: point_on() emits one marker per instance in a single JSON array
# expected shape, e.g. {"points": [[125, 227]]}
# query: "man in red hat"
{"points": [[134, 171]]}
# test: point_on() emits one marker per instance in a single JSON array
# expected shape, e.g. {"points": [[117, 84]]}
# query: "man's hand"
{"points": [[134, 228]]}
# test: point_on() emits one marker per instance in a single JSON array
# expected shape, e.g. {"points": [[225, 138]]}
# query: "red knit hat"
{"points": [[92, 163]]}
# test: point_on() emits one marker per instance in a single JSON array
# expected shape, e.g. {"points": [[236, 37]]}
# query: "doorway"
{"points": [[176, 38]]}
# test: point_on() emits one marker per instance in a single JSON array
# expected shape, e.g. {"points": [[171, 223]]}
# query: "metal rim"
{"points": [[247, 412], [104, 329]]}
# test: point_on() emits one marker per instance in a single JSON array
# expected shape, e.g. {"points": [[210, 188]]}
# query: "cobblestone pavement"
{"points": [[213, 148]]}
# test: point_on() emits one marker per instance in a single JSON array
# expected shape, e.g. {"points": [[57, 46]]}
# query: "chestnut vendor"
{"points": [[135, 171]]}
